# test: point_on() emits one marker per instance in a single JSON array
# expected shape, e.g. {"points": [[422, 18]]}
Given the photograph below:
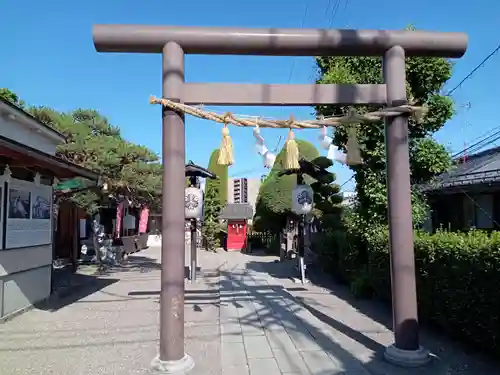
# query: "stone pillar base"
{"points": [[407, 358], [179, 367]]}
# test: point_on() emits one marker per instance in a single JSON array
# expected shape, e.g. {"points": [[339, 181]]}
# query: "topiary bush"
{"points": [[457, 277]]}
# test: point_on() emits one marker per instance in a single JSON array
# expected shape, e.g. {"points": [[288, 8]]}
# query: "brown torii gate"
{"points": [[174, 42]]}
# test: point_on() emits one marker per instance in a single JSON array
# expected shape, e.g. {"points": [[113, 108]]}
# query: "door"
{"points": [[236, 235]]}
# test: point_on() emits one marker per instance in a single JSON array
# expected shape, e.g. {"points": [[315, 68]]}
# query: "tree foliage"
{"points": [[221, 171], [274, 201], [327, 197], [215, 200], [212, 209], [214, 192], [425, 80], [92, 142], [11, 97]]}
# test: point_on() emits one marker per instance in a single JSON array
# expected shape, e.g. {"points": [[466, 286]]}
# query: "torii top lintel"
{"points": [[276, 42]]}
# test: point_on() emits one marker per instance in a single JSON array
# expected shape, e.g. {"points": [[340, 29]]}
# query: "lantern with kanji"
{"points": [[302, 199], [193, 203]]}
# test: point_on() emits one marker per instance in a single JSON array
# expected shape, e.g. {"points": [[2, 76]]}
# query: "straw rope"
{"points": [[352, 118]]}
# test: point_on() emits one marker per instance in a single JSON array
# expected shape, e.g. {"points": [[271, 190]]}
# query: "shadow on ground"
{"points": [[70, 287], [451, 357], [134, 263], [275, 306], [78, 287]]}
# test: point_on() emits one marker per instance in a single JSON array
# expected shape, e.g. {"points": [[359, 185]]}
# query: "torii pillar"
{"points": [[173, 42]]}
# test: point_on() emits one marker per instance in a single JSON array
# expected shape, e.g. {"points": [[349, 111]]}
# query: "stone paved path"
{"points": [[244, 317]]}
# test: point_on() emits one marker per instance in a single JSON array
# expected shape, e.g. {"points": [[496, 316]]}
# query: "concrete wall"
{"points": [[25, 250], [24, 277], [25, 243]]}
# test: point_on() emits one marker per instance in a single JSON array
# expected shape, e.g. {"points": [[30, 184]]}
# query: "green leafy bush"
{"points": [[458, 275]]}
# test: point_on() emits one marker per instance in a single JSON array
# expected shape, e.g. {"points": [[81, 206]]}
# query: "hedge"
{"points": [[458, 277]]}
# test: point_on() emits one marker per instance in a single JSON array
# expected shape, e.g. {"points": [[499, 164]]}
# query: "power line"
{"points": [[334, 12], [302, 23], [473, 71], [346, 182], [483, 141]]}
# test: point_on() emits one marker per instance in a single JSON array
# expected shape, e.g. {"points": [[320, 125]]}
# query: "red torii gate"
{"points": [[174, 42]]}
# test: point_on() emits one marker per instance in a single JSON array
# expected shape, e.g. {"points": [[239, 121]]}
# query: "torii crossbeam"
{"points": [[173, 42]]}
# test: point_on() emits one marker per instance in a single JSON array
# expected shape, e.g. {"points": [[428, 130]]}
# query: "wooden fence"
{"points": [[258, 240]]}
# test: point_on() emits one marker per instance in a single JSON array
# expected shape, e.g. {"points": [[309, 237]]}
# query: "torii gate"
{"points": [[173, 42]]}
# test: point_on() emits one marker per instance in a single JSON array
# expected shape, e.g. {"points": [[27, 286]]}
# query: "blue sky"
{"points": [[48, 59]]}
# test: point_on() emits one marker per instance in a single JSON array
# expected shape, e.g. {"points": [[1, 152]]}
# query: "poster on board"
{"points": [[41, 207], [19, 204], [29, 214]]}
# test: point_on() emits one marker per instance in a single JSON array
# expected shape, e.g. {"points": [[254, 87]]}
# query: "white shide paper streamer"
{"points": [[262, 150], [326, 143]]}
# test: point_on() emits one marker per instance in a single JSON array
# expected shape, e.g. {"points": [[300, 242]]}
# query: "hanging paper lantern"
{"points": [[302, 199], [193, 203]]}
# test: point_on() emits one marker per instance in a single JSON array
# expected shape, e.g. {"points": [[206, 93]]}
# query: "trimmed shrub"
{"points": [[458, 277]]}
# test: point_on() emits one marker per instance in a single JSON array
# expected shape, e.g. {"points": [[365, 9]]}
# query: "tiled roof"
{"points": [[237, 211], [193, 170], [480, 168]]}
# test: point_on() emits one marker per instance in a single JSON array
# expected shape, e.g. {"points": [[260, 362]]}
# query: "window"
{"points": [[484, 211], [478, 211]]}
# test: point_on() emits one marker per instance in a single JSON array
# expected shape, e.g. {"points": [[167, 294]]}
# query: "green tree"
{"points": [[93, 143], [425, 80], [212, 209], [221, 171], [327, 197], [11, 97], [274, 201]]}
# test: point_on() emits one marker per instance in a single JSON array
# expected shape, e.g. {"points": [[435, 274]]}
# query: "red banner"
{"points": [[143, 221], [119, 214]]}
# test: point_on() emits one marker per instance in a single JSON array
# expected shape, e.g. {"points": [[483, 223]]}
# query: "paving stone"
{"points": [[252, 327], [228, 312], [271, 324], [280, 340], [231, 332], [319, 362], [220, 336], [233, 353], [257, 347], [236, 370], [267, 366], [345, 360], [290, 361], [303, 341]]}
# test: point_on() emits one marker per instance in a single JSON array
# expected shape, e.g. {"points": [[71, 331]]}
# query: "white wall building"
{"points": [[243, 190], [28, 166]]}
